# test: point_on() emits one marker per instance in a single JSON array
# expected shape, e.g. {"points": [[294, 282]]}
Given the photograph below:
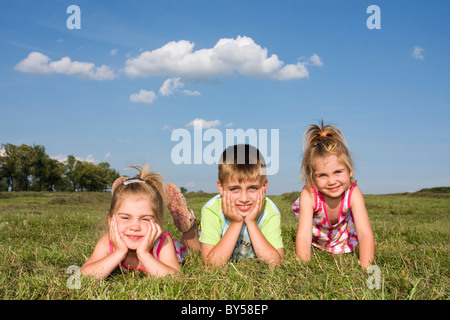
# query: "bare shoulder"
{"points": [[307, 198], [357, 197]]}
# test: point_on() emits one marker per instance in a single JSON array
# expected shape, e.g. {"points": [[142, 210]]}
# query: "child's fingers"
{"points": [[158, 231], [230, 205], [154, 232], [113, 228], [224, 203], [262, 198]]}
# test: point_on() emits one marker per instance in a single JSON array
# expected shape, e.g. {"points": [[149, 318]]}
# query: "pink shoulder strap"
{"points": [[161, 242], [316, 201], [350, 191]]}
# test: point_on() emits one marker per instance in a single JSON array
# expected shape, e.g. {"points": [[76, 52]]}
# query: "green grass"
{"points": [[42, 234]]}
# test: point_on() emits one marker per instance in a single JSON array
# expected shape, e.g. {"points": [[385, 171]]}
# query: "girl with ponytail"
{"points": [[135, 240], [330, 210]]}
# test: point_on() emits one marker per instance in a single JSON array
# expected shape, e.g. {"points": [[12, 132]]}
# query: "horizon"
{"points": [[114, 81]]}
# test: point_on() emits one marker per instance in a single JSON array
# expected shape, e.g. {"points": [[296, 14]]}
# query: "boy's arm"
{"points": [[262, 247], [221, 252], [363, 229], [304, 229]]}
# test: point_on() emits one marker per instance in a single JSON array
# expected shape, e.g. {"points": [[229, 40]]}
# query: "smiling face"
{"points": [[331, 176], [133, 215], [243, 194]]}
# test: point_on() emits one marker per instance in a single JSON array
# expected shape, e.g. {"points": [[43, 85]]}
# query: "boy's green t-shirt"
{"points": [[214, 225]]}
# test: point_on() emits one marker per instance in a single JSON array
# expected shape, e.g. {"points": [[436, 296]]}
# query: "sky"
{"points": [[130, 83]]}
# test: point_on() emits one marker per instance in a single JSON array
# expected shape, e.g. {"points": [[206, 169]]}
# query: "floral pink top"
{"points": [[338, 238]]}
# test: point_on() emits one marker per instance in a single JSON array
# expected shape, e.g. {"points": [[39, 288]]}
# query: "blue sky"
{"points": [[116, 89]]}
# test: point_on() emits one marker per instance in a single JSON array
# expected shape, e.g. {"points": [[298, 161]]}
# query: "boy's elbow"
{"points": [[211, 259], [277, 259]]}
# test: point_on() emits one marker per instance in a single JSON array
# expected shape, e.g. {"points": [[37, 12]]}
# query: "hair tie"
{"points": [[323, 135], [133, 181]]}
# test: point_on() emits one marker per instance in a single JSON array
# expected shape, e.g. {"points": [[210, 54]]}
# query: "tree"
{"points": [[8, 164], [25, 168]]}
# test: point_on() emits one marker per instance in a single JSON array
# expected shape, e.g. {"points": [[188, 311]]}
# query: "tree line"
{"points": [[29, 168]]}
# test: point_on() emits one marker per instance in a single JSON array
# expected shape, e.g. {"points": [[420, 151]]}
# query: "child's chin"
{"points": [[132, 245]]}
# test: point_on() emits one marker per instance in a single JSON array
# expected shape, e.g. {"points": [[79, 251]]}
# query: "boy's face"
{"points": [[243, 194]]}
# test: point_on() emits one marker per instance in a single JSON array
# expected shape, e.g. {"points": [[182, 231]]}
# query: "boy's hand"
{"points": [[115, 238], [229, 209], [258, 207], [153, 233]]}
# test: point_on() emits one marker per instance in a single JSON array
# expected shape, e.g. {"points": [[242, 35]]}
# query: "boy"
{"points": [[241, 222]]}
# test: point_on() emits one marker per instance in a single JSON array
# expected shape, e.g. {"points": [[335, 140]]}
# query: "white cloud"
{"points": [[192, 93], [113, 52], [107, 155], [37, 62], [170, 85], [89, 158], [189, 185], [59, 157], [315, 60], [205, 124], [417, 53], [143, 96], [63, 158], [229, 56]]}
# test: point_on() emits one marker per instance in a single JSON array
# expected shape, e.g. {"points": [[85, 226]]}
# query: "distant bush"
{"points": [[291, 196], [199, 193], [435, 190]]}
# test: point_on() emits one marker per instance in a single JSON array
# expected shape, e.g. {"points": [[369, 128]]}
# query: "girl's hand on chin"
{"points": [[151, 236], [115, 238]]}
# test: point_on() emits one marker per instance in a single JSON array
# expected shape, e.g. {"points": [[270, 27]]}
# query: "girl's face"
{"points": [[133, 216], [331, 176]]}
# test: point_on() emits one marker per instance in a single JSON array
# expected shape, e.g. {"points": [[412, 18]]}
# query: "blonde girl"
{"points": [[135, 240], [331, 212]]}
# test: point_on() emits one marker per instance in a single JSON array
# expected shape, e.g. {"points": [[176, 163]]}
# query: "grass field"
{"points": [[43, 234]]}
